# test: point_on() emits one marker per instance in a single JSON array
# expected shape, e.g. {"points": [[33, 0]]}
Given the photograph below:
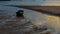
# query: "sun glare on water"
{"points": [[53, 21]]}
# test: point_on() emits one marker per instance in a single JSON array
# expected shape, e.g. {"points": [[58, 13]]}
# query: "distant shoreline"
{"points": [[52, 10]]}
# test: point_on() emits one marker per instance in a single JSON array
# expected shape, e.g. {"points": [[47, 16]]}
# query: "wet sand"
{"points": [[10, 24]]}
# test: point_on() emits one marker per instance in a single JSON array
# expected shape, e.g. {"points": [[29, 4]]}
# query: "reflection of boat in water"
{"points": [[35, 17]]}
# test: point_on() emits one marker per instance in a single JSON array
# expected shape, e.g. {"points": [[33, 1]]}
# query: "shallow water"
{"points": [[32, 2], [10, 24]]}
